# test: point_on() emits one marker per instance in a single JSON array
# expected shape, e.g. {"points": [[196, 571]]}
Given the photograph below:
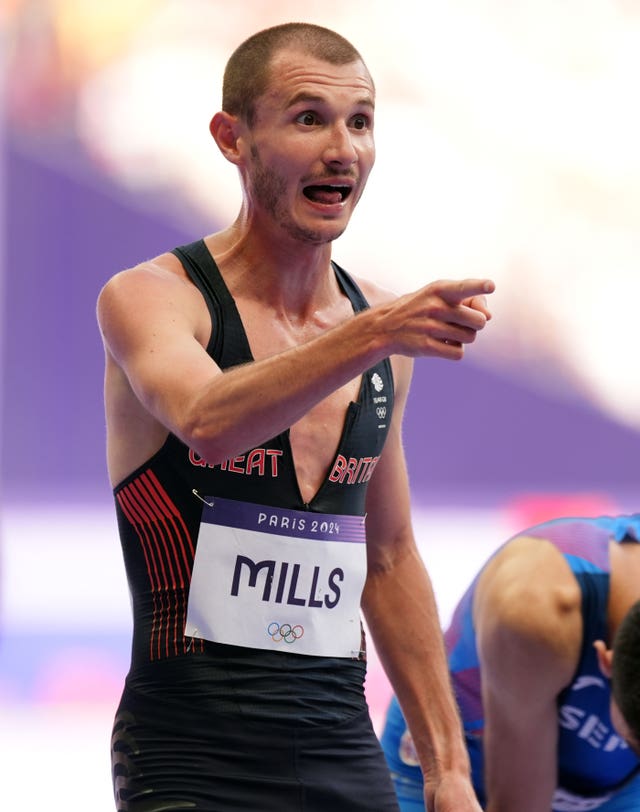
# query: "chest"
{"points": [[329, 453], [315, 438]]}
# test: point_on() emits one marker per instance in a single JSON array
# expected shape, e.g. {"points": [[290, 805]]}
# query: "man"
{"points": [[254, 397], [544, 654]]}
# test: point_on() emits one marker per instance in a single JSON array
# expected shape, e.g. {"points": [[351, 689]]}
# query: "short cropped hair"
{"points": [[247, 73], [625, 668]]}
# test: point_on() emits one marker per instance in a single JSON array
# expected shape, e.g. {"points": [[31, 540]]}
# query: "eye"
{"points": [[307, 118], [360, 122]]}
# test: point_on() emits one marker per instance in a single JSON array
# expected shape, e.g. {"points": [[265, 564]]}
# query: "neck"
{"points": [[287, 275]]}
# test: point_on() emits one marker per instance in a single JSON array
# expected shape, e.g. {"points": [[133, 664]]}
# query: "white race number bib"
{"points": [[278, 579]]}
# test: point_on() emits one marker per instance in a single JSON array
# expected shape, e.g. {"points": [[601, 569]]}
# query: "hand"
{"points": [[479, 303], [441, 318], [454, 793]]}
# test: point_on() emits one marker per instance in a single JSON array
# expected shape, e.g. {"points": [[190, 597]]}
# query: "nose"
{"points": [[340, 149]]}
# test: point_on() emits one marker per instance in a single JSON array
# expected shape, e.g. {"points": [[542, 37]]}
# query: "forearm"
{"points": [[248, 404], [518, 783], [528, 635], [520, 755], [154, 330], [401, 613]]}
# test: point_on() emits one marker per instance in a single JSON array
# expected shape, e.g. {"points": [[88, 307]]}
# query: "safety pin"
{"points": [[195, 493], [194, 635]]}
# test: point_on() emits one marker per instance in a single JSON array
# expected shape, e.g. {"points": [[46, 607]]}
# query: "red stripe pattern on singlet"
{"points": [[168, 551]]}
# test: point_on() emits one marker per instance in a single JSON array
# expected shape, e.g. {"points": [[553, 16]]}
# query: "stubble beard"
{"points": [[269, 189]]}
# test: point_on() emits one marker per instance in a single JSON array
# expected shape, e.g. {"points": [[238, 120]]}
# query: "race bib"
{"points": [[278, 579]]}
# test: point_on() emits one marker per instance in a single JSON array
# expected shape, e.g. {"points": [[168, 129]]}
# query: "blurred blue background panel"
{"points": [[67, 232], [474, 436]]}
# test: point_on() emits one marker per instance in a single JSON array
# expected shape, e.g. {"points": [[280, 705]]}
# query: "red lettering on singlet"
{"points": [[352, 470], [236, 465], [255, 459], [255, 462]]}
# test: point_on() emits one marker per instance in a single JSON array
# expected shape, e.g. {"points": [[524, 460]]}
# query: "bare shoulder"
{"points": [[149, 299], [528, 597], [164, 272], [375, 293]]}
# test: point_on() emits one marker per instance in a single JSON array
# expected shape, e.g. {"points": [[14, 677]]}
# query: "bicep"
{"points": [[149, 324]]}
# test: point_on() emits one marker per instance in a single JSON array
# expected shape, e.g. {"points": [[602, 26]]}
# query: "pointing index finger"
{"points": [[455, 292]]}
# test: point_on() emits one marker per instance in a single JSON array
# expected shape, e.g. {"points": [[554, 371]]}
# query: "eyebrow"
{"points": [[365, 101]]}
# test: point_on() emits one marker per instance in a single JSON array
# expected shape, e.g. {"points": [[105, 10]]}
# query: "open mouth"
{"points": [[329, 195]]}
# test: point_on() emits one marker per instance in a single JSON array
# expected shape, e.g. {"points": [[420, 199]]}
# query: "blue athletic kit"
{"points": [[596, 769], [210, 726]]}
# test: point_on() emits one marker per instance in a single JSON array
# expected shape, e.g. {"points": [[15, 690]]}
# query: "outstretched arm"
{"points": [[528, 626], [149, 318]]}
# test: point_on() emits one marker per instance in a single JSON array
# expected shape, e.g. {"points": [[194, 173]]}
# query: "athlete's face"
{"points": [[311, 147]]}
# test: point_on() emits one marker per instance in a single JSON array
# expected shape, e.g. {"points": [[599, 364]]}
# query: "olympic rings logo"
{"points": [[285, 631]]}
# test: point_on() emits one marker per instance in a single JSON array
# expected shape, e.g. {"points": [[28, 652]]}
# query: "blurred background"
{"points": [[507, 142]]}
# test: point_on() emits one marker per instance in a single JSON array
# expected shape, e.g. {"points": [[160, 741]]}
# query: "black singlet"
{"points": [[194, 714]]}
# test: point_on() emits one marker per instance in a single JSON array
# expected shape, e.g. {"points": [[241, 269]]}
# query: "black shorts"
{"points": [[248, 766]]}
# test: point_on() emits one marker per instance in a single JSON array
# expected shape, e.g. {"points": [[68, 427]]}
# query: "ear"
{"points": [[605, 657], [225, 131]]}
